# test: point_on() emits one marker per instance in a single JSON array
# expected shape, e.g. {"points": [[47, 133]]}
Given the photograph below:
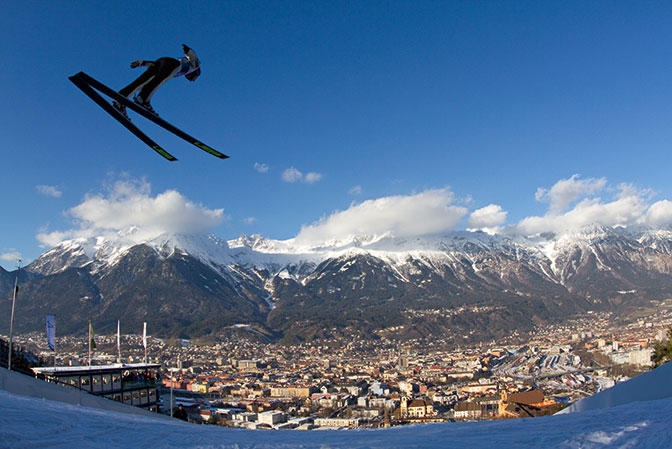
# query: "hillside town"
{"points": [[378, 383]]}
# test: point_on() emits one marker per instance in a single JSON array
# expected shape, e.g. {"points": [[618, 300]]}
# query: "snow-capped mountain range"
{"points": [[377, 284]]}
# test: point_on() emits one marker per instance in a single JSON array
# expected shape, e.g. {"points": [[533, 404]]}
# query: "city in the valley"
{"points": [[353, 383]]}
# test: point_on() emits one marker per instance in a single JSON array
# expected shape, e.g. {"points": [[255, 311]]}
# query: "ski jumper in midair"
{"points": [[157, 73]]}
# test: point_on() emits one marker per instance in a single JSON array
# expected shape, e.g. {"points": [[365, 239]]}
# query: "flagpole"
{"points": [[51, 335], [11, 320], [172, 381], [89, 343], [118, 344], [144, 338]]}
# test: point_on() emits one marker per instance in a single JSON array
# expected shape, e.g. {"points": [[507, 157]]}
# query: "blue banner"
{"points": [[51, 332]]}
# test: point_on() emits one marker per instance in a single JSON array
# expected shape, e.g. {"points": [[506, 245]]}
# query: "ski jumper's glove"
{"points": [[140, 63]]}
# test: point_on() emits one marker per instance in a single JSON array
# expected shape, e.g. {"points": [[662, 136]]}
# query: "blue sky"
{"points": [[528, 114]]}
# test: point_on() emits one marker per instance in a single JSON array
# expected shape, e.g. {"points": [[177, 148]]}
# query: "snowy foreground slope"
{"points": [[28, 422]]}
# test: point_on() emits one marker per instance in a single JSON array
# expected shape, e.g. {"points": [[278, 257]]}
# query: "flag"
{"points": [[51, 332], [144, 334], [92, 342]]}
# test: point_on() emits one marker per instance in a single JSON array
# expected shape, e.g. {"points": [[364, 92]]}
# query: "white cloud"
{"points": [[10, 255], [130, 204], [261, 168], [625, 208], [429, 212], [573, 203], [312, 177], [293, 175], [48, 191], [50, 239], [566, 191], [659, 214], [487, 217]]}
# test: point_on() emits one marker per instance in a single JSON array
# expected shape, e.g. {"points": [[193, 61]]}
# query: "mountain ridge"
{"points": [[198, 284]]}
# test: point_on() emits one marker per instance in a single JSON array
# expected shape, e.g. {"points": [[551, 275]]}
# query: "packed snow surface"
{"points": [[34, 422], [27, 422]]}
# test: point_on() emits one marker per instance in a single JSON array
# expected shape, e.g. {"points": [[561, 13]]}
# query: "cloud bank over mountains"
{"points": [[130, 204], [566, 191], [575, 203], [429, 212], [572, 203], [488, 218]]}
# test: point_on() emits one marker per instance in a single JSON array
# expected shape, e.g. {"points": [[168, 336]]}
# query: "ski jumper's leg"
{"points": [[140, 82], [166, 68]]}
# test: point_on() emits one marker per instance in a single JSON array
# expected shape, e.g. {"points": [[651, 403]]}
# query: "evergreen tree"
{"points": [[662, 351]]}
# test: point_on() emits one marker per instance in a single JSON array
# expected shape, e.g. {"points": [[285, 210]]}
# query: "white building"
{"points": [[642, 357], [337, 422], [271, 417]]}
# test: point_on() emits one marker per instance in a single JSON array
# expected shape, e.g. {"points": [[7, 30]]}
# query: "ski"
{"points": [[148, 115], [91, 93]]}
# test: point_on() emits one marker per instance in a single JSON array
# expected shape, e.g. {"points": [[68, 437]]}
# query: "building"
{"points": [[468, 410], [135, 384], [271, 418], [407, 387], [337, 422], [247, 364], [291, 392], [526, 404], [489, 404], [420, 408], [638, 357], [479, 388], [415, 409], [643, 357]]}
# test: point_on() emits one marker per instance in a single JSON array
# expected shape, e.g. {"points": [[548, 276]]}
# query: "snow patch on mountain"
{"points": [[548, 254]]}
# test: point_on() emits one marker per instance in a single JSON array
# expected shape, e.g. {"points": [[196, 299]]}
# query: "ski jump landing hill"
{"points": [[29, 422], [652, 385]]}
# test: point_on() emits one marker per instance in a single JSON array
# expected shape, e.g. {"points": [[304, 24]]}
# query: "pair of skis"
{"points": [[89, 86]]}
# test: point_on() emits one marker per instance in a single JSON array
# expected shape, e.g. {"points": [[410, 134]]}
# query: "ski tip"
{"points": [[76, 75], [164, 153], [212, 151]]}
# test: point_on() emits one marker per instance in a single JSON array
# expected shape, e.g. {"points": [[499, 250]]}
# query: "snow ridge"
{"points": [[287, 257]]}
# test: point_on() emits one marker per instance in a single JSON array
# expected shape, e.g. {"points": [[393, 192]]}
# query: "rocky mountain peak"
{"points": [[293, 290]]}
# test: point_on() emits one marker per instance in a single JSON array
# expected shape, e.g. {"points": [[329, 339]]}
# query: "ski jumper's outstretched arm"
{"points": [[141, 63]]}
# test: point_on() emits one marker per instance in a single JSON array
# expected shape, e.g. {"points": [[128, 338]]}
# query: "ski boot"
{"points": [[121, 108], [145, 104]]}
